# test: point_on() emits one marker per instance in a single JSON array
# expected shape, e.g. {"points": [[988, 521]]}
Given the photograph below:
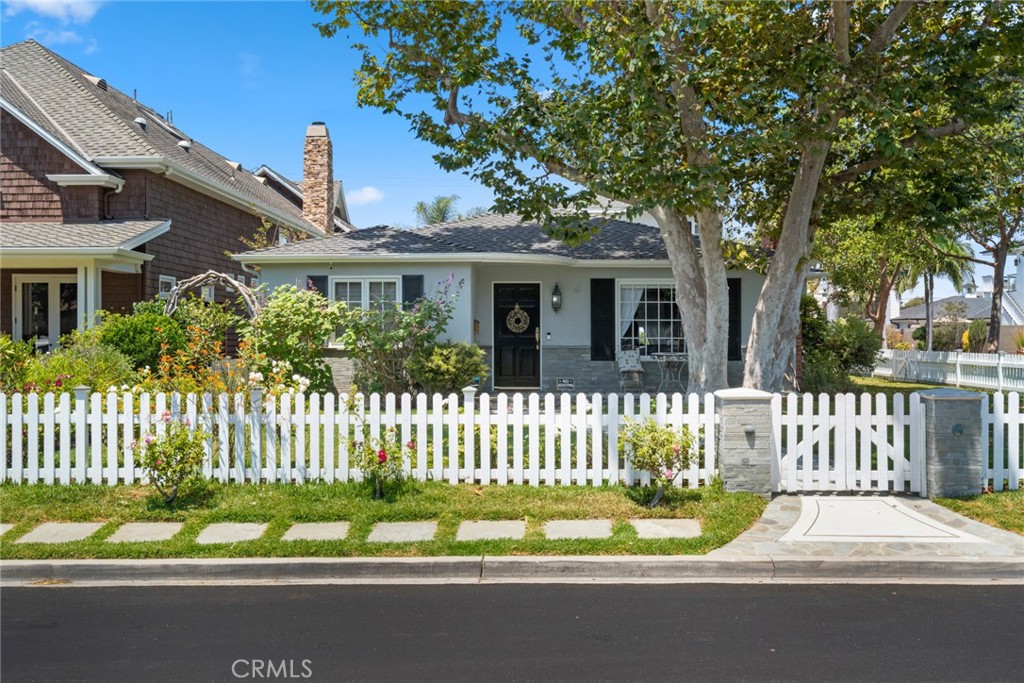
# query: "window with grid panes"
{"points": [[649, 318]]}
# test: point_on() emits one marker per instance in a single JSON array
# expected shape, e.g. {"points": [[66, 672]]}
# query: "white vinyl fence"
{"points": [[564, 439], [998, 371], [1002, 437]]}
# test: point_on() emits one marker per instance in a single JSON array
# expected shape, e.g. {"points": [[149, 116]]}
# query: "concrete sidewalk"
{"points": [[799, 538]]}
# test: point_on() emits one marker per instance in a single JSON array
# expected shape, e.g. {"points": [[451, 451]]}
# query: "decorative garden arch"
{"points": [[212, 277]]}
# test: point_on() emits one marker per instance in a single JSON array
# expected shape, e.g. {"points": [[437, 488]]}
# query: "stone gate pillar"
{"points": [[953, 446], [744, 440]]}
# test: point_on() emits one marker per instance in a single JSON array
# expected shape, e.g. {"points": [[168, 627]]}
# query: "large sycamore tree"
{"points": [[727, 113]]}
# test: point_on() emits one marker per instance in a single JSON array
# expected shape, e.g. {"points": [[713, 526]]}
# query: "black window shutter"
{"points": [[317, 282], [412, 290], [734, 318], [603, 332]]}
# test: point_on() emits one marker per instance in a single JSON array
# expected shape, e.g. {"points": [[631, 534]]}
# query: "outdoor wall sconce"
{"points": [[958, 429], [556, 299]]}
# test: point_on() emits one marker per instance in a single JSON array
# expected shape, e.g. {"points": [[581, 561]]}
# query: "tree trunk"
{"points": [[995, 315], [929, 282], [881, 300], [706, 340], [777, 315]]}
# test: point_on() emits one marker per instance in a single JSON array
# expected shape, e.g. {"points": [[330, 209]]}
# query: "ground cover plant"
{"points": [[1002, 509], [723, 517]]}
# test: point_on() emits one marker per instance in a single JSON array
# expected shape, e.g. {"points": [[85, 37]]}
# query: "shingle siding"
{"points": [[25, 160]]}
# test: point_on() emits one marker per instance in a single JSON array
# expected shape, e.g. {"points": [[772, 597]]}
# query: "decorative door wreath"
{"points": [[517, 320]]}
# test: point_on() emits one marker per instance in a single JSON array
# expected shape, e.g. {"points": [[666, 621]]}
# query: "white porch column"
{"points": [[80, 281], [94, 294]]}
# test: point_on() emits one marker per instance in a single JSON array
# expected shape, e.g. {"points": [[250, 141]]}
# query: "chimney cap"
{"points": [[317, 129]]}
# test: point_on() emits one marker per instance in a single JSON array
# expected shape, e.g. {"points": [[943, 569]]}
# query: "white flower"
{"points": [[255, 377]]}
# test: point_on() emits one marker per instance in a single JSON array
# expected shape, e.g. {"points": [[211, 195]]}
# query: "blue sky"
{"points": [[246, 78]]}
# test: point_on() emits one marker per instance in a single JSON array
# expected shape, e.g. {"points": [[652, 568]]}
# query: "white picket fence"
{"points": [[514, 439], [998, 371], [848, 443]]}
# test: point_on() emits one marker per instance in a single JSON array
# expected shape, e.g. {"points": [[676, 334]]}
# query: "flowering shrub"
{"points": [[661, 450], [293, 326], [81, 359], [185, 370], [279, 378], [143, 337], [15, 357], [173, 459], [447, 368], [384, 342], [381, 460]]}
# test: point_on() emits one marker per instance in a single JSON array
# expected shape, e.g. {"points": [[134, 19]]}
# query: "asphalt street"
{"points": [[479, 633]]}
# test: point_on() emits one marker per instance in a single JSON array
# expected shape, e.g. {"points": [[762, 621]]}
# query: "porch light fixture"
{"points": [[556, 299]]}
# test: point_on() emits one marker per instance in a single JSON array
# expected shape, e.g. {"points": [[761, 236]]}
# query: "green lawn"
{"points": [[1004, 509], [875, 385], [723, 516]]}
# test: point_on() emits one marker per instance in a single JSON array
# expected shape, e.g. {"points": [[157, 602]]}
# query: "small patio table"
{"points": [[671, 366]]}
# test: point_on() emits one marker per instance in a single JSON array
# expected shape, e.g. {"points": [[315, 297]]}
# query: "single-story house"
{"points": [[104, 202], [548, 316], [966, 309]]}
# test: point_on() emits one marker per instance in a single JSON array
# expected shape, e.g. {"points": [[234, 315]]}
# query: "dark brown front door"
{"points": [[517, 335]]}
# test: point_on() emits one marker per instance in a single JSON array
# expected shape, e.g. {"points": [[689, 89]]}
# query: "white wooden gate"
{"points": [[848, 443]]}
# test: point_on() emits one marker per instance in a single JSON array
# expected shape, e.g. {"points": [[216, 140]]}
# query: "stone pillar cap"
{"points": [[742, 393], [950, 395]]}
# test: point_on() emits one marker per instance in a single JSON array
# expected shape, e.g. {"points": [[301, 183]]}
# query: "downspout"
{"points": [[106, 200]]}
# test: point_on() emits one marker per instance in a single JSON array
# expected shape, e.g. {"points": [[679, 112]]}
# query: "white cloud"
{"points": [[49, 36], [364, 195], [79, 11]]}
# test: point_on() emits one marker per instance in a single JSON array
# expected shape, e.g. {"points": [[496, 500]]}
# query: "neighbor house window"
{"points": [[648, 317], [367, 293], [165, 285]]}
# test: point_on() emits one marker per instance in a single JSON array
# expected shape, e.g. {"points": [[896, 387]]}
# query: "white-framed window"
{"points": [[648, 317], [165, 284], [366, 292], [207, 293]]}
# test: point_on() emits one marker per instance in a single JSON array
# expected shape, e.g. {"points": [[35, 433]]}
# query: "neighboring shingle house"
{"points": [[966, 309], [615, 290], [103, 202]]}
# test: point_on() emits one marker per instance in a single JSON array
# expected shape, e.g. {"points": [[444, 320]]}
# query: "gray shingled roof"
{"points": [[486, 234], [102, 235], [976, 308], [97, 122]]}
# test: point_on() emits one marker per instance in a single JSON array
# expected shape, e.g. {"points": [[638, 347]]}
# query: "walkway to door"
{"points": [[869, 526]]}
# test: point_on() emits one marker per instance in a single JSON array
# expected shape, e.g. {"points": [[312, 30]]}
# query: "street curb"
{"points": [[470, 569]]}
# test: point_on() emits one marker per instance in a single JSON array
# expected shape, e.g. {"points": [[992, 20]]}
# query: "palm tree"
{"points": [[440, 210], [947, 258]]}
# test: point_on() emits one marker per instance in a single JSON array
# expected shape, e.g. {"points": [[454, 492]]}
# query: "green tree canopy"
{"points": [[751, 111]]}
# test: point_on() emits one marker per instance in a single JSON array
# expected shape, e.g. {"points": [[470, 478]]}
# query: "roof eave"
{"points": [[87, 180], [56, 142]]}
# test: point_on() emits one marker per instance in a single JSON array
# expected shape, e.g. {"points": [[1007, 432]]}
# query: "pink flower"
{"points": [[675, 448], [668, 475], [166, 416], [382, 456], [159, 462], [411, 445], [148, 439]]}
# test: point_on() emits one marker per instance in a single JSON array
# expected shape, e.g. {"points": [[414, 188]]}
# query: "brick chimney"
{"points": [[318, 178]]}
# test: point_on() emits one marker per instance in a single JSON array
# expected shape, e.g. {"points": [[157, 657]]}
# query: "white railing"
{"points": [[532, 440], [998, 371], [848, 443]]}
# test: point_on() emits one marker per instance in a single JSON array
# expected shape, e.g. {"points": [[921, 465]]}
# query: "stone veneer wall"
{"points": [[318, 178]]}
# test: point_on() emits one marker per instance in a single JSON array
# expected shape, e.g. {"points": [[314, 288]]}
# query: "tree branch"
{"points": [[884, 34], [952, 254], [841, 30], [857, 169]]}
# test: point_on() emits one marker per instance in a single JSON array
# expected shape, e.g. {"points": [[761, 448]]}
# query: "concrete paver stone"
{"points": [[666, 528], [4, 528], [317, 531], [578, 528], [402, 532], [230, 532], [486, 530], [60, 532], [136, 532]]}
